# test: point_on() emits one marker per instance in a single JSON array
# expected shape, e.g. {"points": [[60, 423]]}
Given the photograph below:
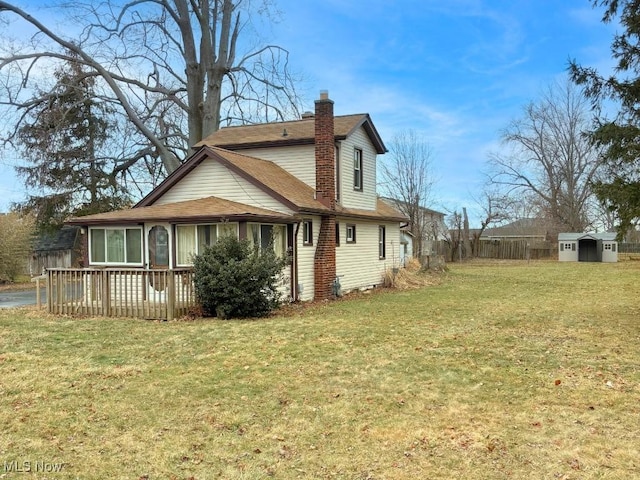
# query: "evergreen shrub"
{"points": [[235, 280]]}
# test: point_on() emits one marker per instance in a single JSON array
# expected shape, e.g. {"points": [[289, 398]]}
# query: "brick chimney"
{"points": [[325, 152], [324, 262]]}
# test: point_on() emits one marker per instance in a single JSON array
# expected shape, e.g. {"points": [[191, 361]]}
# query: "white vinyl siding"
{"points": [[306, 255], [359, 264], [349, 196], [297, 160], [213, 179]]}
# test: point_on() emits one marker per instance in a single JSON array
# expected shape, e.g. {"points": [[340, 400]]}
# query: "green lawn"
{"points": [[509, 370]]}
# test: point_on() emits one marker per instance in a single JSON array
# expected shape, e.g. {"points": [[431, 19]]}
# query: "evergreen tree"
{"points": [[64, 147], [619, 190]]}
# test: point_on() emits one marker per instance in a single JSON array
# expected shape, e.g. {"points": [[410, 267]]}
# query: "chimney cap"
{"points": [[324, 94]]}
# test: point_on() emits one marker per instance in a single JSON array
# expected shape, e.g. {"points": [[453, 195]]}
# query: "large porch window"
{"points": [[268, 236], [116, 246], [192, 239]]}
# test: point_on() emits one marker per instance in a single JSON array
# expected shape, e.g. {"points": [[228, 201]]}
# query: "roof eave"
{"points": [[241, 217]]}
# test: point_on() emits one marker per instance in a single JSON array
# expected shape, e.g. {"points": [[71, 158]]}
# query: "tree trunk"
{"points": [[467, 237]]}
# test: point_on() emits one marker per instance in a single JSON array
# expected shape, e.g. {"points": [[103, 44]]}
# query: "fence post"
{"points": [[171, 294], [50, 291], [106, 300]]}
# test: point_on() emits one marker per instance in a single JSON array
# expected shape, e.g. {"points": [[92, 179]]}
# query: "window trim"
{"points": [[382, 239], [307, 232], [352, 227], [124, 228], [337, 234], [358, 177]]}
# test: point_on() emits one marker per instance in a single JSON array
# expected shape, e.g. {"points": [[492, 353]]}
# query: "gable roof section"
{"points": [[295, 132], [202, 209], [264, 174]]}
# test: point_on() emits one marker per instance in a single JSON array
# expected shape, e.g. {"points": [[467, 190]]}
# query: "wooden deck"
{"points": [[110, 292]]}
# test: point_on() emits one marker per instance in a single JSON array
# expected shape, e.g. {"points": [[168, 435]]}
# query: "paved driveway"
{"points": [[19, 298]]}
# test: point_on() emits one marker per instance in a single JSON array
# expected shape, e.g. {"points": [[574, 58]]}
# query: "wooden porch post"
{"points": [[171, 295]]}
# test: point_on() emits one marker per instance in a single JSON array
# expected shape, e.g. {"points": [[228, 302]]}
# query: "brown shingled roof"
{"points": [[295, 132], [209, 208], [382, 212], [264, 174], [271, 177]]}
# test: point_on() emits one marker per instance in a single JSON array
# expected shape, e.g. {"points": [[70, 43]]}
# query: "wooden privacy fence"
{"points": [[513, 249], [152, 294], [501, 249]]}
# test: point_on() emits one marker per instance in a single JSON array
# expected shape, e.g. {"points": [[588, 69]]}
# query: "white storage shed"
{"points": [[587, 247]]}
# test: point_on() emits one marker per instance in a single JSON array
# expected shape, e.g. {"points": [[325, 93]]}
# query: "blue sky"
{"points": [[455, 71]]}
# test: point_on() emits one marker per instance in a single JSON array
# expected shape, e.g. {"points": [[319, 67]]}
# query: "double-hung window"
{"points": [[381, 242], [357, 169], [307, 232], [351, 233], [118, 246]]}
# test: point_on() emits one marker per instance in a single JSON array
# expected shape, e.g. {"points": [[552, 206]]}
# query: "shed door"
{"points": [[587, 250]]}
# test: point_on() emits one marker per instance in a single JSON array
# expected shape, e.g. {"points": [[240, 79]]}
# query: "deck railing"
{"points": [[118, 292]]}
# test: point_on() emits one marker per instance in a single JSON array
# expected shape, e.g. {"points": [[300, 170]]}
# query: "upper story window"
{"points": [[357, 169], [307, 232], [116, 246]]}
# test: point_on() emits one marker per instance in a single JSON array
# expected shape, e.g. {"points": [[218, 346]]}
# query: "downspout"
{"points": [[294, 264]]}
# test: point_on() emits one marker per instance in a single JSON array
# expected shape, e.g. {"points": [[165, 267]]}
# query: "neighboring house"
{"points": [[406, 245], [534, 230], [434, 229], [309, 185], [587, 247], [61, 249]]}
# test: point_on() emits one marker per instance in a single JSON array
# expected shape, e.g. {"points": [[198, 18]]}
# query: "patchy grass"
{"points": [[499, 371]]}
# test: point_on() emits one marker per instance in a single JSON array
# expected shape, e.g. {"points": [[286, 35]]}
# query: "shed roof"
{"points": [[606, 236], [63, 239]]}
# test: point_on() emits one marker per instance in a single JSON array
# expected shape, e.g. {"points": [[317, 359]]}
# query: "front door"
{"points": [[158, 242]]}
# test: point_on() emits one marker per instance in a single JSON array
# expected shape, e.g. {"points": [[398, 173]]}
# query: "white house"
{"points": [[587, 247], [310, 184]]}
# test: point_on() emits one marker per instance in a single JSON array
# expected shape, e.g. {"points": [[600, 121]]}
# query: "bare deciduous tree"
{"points": [[551, 159], [407, 178], [174, 68]]}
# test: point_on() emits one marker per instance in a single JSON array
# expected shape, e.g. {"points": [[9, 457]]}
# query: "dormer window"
{"points": [[357, 169]]}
